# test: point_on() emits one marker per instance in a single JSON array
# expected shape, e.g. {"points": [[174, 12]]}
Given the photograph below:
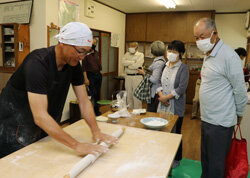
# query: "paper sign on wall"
{"points": [[68, 12], [114, 40], [16, 12]]}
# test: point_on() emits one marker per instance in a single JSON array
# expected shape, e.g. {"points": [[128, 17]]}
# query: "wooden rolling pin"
{"points": [[90, 158]]}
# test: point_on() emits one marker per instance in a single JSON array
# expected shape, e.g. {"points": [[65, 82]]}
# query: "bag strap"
{"points": [[235, 131]]}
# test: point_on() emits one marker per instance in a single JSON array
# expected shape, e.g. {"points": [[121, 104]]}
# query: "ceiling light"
{"points": [[168, 3]]}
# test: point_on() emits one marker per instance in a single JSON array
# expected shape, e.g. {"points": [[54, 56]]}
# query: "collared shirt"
{"points": [[223, 94], [155, 78], [167, 85], [132, 62]]}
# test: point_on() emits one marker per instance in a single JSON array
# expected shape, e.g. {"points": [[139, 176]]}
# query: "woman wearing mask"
{"points": [[157, 49], [172, 91]]}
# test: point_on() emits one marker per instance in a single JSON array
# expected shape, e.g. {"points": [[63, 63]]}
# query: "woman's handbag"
{"points": [[143, 90], [237, 161]]}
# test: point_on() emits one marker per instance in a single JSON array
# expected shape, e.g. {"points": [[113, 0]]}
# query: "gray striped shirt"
{"points": [[223, 94]]}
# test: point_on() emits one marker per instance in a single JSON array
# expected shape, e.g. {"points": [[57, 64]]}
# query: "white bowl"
{"points": [[154, 122], [114, 117]]}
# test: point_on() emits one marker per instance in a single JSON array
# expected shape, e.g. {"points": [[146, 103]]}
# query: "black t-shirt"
{"points": [[38, 74]]}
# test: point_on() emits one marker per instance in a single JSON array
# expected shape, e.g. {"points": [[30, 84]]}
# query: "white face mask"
{"points": [[131, 50], [172, 57], [205, 45]]}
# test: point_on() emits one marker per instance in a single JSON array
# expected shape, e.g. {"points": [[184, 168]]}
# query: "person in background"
{"points": [[223, 97], [131, 61], [196, 102], [92, 68], [172, 90], [157, 49], [32, 102], [243, 54]]}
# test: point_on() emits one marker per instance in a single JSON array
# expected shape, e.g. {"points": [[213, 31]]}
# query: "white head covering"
{"points": [[76, 34]]}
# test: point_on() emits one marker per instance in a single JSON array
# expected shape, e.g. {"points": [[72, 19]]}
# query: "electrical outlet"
{"points": [[20, 46], [89, 8]]}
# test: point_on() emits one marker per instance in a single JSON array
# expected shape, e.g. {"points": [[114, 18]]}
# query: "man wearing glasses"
{"points": [[32, 102]]}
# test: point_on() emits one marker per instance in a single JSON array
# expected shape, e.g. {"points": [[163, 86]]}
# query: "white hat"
{"points": [[76, 34]]}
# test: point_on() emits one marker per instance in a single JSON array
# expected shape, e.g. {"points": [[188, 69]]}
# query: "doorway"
{"points": [[109, 60]]}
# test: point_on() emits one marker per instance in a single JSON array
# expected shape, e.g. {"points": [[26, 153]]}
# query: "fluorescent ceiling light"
{"points": [[168, 3]]}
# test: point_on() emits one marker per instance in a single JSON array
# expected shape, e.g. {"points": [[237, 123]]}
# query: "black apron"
{"points": [[17, 127]]}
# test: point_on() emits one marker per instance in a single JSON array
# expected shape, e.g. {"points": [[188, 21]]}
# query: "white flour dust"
{"points": [[17, 158], [131, 165]]}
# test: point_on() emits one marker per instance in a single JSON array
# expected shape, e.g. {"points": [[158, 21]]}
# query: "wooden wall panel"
{"points": [[193, 76], [192, 18], [157, 27], [136, 27], [177, 26], [248, 51], [163, 26], [24, 37]]}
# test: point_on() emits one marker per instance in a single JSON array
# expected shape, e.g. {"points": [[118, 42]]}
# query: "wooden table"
{"points": [[135, 121], [140, 153]]}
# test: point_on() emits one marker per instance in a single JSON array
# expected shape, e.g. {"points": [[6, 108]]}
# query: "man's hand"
{"points": [[90, 148], [101, 137], [86, 82], [239, 119], [140, 71]]}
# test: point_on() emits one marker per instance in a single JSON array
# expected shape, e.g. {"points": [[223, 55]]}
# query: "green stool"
{"points": [[104, 102], [188, 169]]}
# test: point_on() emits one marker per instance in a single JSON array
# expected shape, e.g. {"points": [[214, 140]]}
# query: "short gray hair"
{"points": [[157, 48], [135, 43], [210, 23]]}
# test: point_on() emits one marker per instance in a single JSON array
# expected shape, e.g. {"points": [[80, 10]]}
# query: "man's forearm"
{"points": [[85, 76], [49, 125], [88, 114]]}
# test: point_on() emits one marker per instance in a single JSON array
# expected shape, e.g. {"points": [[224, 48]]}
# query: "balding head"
{"points": [[94, 41], [203, 29], [133, 44], [208, 23]]}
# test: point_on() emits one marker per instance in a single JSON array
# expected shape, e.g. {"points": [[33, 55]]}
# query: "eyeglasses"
{"points": [[82, 53]]}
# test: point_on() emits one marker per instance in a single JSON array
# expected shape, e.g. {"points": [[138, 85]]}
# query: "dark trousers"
{"points": [[95, 83], [178, 156], [215, 145], [152, 107]]}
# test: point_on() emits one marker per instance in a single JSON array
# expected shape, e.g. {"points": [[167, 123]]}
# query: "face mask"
{"points": [[131, 50], [172, 57], [205, 45], [93, 46]]}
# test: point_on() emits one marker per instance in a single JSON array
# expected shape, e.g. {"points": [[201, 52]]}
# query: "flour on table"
{"points": [[17, 158], [155, 123], [131, 165]]}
